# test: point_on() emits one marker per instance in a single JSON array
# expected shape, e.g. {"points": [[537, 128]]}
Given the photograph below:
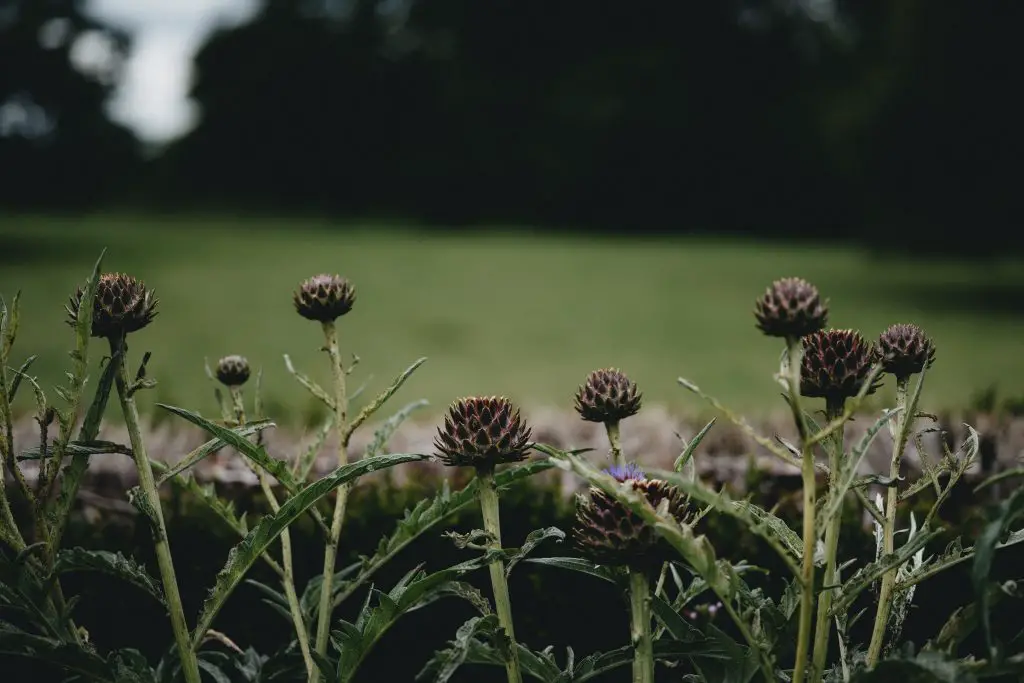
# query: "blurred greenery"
{"points": [[509, 311]]}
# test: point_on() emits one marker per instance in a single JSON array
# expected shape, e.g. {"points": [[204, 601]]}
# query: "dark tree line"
{"points": [[847, 118]]}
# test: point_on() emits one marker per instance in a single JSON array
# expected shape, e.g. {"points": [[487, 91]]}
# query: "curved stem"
{"points": [[287, 572], [616, 442], [331, 551], [795, 356], [151, 497], [640, 627], [889, 527], [488, 495], [823, 625]]}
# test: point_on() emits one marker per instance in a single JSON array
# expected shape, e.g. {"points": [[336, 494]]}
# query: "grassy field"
{"points": [[502, 312]]}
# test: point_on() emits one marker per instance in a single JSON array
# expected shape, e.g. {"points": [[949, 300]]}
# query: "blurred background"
{"points": [[521, 190]]}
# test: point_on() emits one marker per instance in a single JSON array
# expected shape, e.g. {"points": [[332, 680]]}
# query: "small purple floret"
{"points": [[629, 471]]}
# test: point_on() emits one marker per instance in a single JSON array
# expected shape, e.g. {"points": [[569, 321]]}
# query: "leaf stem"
{"points": [[488, 495], [331, 551], [640, 627], [795, 358], [889, 527], [288, 576], [823, 625], [118, 350], [616, 442]]}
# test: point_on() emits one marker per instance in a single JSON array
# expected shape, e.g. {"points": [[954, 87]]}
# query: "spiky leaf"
{"points": [[426, 515], [105, 562], [256, 542]]}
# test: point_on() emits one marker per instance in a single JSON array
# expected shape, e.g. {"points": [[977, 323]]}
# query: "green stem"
{"points": [[795, 351], [823, 625], [488, 495], [288, 575], [331, 551], [118, 349], [640, 627], [616, 442], [889, 527]]}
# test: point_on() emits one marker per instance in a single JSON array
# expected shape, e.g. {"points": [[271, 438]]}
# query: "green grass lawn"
{"points": [[516, 313]]}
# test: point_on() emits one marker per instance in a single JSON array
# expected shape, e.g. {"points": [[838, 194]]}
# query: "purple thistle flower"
{"points": [[628, 472]]}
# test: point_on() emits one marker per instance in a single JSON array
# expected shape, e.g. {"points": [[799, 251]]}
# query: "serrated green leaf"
{"points": [[304, 461], [277, 468], [786, 543], [927, 667], [71, 658], [243, 555], [1008, 512], [310, 385], [446, 662], [382, 610], [18, 374], [581, 565], [390, 426], [211, 447], [844, 479], [691, 447], [214, 671], [427, 514], [111, 563], [533, 539], [677, 627], [867, 575], [84, 449], [381, 399]]}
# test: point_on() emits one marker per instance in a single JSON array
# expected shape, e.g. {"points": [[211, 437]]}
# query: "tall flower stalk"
{"points": [[233, 372], [903, 350], [791, 308], [123, 305], [835, 366], [483, 432], [325, 298]]}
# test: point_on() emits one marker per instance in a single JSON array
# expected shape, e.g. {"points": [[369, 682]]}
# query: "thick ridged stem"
{"points": [[823, 625], [331, 551], [615, 441], [640, 627], [288, 575], [795, 356], [889, 528], [118, 349], [488, 496]]}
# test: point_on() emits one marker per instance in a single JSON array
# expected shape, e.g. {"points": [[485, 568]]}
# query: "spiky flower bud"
{"points": [[325, 298], [482, 432], [233, 371], [609, 533], [835, 365], [905, 350], [607, 396], [121, 305], [791, 307]]}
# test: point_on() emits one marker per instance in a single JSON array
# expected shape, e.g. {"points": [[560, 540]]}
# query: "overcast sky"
{"points": [[152, 99]]}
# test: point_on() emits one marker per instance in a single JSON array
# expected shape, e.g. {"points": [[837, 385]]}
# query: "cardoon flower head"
{"points": [[905, 350], [121, 305], [609, 533], [324, 298], [482, 432], [233, 371], [607, 396], [791, 307], [835, 364]]}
